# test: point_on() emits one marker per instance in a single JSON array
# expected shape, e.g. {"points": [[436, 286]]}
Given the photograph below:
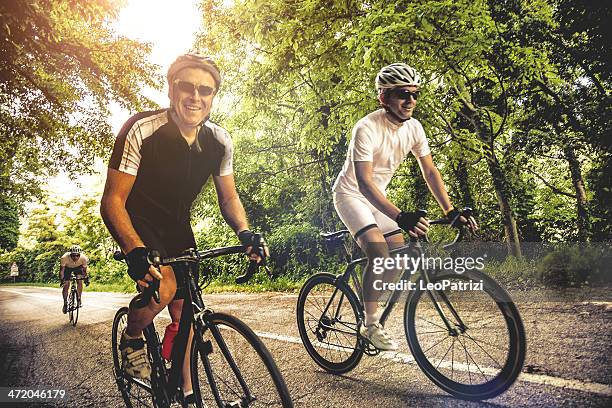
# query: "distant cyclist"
{"points": [[73, 262], [160, 162], [380, 142]]}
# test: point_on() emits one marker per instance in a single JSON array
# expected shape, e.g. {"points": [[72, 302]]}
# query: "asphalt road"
{"points": [[568, 361]]}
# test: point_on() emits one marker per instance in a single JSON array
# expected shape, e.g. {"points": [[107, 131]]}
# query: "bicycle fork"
{"points": [[452, 331], [206, 349]]}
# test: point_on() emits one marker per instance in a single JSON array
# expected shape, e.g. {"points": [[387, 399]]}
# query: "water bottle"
{"points": [[168, 341]]}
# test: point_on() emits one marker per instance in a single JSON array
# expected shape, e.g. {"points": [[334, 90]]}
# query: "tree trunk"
{"points": [[503, 199], [421, 191], [500, 182], [462, 176], [583, 222]]}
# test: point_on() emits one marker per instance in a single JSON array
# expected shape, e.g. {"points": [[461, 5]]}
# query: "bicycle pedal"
{"points": [[367, 347]]}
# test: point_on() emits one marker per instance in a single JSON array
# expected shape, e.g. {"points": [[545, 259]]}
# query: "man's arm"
{"points": [[117, 220], [367, 187], [61, 273], [434, 182], [112, 208], [229, 203]]}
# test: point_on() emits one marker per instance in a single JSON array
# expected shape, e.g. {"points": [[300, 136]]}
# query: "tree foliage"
{"points": [[514, 103], [61, 65]]}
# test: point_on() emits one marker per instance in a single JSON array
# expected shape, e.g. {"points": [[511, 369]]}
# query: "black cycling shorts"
{"points": [[169, 241], [78, 272]]}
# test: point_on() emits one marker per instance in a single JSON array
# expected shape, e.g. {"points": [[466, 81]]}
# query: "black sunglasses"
{"points": [[405, 94], [188, 87]]}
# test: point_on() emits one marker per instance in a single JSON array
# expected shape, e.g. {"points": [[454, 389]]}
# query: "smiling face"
{"points": [[190, 107], [401, 106]]}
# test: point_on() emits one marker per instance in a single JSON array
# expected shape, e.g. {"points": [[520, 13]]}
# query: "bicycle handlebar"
{"points": [[445, 221], [193, 256]]}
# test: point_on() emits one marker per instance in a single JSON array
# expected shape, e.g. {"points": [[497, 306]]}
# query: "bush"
{"points": [[574, 266]]}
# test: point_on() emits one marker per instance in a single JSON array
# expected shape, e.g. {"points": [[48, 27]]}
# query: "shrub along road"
{"points": [[568, 361]]}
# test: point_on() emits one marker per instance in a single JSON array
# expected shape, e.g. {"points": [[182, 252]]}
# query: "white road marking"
{"points": [[404, 358]]}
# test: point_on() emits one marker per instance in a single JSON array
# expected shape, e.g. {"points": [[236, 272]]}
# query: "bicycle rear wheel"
{"points": [[327, 317], [230, 366], [480, 358], [134, 391]]}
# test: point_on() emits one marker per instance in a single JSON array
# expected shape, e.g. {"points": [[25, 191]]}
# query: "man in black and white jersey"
{"points": [[380, 142], [73, 262], [159, 164]]}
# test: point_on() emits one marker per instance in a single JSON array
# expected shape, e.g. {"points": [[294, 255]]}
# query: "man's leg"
{"points": [[79, 290], [138, 319], [65, 288], [175, 309], [373, 243], [133, 354]]}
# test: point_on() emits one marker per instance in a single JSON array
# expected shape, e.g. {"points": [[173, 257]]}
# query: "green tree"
{"points": [[60, 67], [9, 223]]}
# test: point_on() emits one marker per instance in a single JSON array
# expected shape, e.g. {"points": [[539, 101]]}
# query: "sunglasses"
{"points": [[188, 87], [405, 94]]}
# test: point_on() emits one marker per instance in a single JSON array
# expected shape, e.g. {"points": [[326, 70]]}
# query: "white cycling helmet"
{"points": [[397, 74], [75, 249], [194, 61]]}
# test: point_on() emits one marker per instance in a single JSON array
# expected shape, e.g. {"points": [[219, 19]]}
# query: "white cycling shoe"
{"points": [[376, 334]]}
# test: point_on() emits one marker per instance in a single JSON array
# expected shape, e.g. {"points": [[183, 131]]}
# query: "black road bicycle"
{"points": [[469, 343], [73, 304], [230, 366]]}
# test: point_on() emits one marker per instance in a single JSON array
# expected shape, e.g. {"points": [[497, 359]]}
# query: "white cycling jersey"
{"points": [[67, 261], [378, 140]]}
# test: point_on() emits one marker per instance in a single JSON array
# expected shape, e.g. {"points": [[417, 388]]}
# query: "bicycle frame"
{"points": [[350, 275], [193, 315]]}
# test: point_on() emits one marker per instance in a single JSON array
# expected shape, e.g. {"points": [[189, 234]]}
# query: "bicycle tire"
{"points": [[75, 307], [215, 382], [507, 344], [71, 304], [133, 395], [314, 326]]}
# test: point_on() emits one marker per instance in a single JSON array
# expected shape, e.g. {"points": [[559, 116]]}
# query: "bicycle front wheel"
{"points": [[74, 314], [327, 317], [135, 392], [71, 304], [230, 366], [483, 352]]}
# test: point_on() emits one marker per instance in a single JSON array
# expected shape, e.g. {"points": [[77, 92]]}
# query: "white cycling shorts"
{"points": [[359, 215]]}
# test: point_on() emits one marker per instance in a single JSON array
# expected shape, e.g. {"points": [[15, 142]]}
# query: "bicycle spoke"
{"points": [[441, 341], [485, 351], [445, 354], [432, 323], [475, 363]]}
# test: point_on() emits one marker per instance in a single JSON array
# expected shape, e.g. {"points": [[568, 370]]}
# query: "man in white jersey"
{"points": [[380, 142], [71, 262]]}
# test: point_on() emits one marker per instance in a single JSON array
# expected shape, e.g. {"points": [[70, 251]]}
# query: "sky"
{"points": [[171, 31]]}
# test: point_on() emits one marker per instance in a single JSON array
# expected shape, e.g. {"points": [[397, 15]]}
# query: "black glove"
{"points": [[61, 283], [247, 239], [454, 216], [138, 262], [408, 220], [86, 281]]}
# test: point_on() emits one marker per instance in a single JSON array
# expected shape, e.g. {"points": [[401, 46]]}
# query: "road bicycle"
{"points": [[73, 304], [471, 343], [230, 366]]}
